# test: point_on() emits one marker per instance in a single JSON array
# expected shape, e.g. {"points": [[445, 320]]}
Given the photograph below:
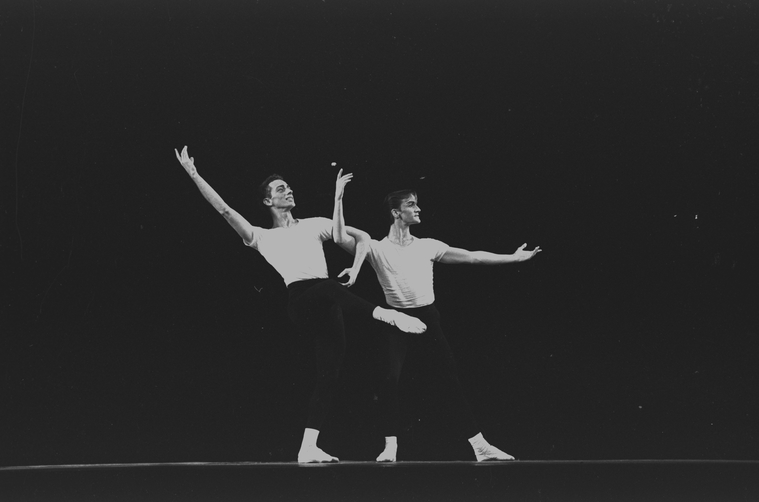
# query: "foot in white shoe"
{"points": [[490, 453], [315, 455], [390, 451], [408, 323], [388, 454], [400, 320]]}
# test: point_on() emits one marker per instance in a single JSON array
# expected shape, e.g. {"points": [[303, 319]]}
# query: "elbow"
{"points": [[362, 237], [339, 237], [355, 235]]}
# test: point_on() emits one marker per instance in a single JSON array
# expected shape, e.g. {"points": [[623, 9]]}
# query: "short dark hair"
{"points": [[394, 200], [265, 189]]}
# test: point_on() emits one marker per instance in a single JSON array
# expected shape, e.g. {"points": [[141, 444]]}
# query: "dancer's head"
{"points": [[276, 193], [402, 207]]}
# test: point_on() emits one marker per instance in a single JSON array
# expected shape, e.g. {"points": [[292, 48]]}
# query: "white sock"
{"points": [[309, 437], [486, 451], [400, 320], [477, 441], [391, 450]]}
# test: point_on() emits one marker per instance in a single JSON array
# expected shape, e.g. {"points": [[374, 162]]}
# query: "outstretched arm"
{"points": [[353, 240], [240, 224], [457, 255]]}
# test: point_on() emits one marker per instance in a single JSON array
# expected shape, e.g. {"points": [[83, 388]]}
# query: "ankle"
{"points": [[478, 441]]}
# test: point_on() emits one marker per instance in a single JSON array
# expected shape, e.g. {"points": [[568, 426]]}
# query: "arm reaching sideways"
{"points": [[457, 255], [353, 240], [240, 224]]}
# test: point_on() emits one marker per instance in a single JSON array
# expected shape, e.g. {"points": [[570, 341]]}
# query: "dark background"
{"points": [[619, 136]]}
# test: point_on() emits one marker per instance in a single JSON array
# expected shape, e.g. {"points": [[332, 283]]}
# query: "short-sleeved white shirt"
{"points": [[405, 272], [295, 252]]}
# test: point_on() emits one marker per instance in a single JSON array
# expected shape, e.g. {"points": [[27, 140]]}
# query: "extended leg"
{"points": [[335, 292], [442, 352]]}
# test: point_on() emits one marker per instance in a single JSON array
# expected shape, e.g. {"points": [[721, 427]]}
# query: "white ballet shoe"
{"points": [[403, 322], [489, 452], [315, 455], [389, 454]]}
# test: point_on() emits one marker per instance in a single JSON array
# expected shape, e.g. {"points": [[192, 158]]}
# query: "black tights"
{"points": [[435, 347], [316, 306]]}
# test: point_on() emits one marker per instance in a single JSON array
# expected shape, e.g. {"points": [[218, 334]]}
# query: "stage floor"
{"points": [[578, 480]]}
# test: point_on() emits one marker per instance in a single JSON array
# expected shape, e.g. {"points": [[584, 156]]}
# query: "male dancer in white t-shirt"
{"points": [[293, 247], [403, 264]]}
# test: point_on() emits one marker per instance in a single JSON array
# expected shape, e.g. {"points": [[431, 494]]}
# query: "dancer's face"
{"points": [[409, 211], [281, 195]]}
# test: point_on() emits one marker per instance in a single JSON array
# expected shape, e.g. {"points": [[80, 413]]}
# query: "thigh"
{"points": [[309, 307], [434, 341]]}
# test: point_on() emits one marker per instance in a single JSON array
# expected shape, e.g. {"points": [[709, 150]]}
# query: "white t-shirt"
{"points": [[405, 272], [295, 252]]}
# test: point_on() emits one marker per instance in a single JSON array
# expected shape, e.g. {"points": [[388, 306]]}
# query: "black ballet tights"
{"points": [[432, 344], [316, 306]]}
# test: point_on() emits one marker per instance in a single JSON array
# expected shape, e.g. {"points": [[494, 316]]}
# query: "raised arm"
{"points": [[457, 255], [339, 231], [240, 224], [353, 240]]}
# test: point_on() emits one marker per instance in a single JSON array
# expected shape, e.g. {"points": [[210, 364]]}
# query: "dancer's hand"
{"points": [[187, 162], [352, 276], [340, 184], [522, 254]]}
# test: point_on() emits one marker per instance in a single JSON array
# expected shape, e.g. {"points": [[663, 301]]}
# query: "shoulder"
{"points": [[433, 248], [260, 234], [432, 243], [376, 247], [316, 221], [318, 225], [382, 243]]}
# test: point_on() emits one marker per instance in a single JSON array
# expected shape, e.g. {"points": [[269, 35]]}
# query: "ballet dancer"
{"points": [[404, 267], [293, 246]]}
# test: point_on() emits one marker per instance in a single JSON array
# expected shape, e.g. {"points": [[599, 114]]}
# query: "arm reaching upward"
{"points": [[353, 240], [457, 255], [240, 224], [339, 232]]}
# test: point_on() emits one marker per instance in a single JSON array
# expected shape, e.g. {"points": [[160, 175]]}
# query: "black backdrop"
{"points": [[619, 136]]}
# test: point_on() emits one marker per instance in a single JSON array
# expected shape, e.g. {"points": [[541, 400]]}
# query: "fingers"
{"points": [[346, 178], [521, 248], [351, 280], [183, 156]]}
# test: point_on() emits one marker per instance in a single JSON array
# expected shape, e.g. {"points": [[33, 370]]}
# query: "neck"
{"points": [[400, 233], [282, 218]]}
